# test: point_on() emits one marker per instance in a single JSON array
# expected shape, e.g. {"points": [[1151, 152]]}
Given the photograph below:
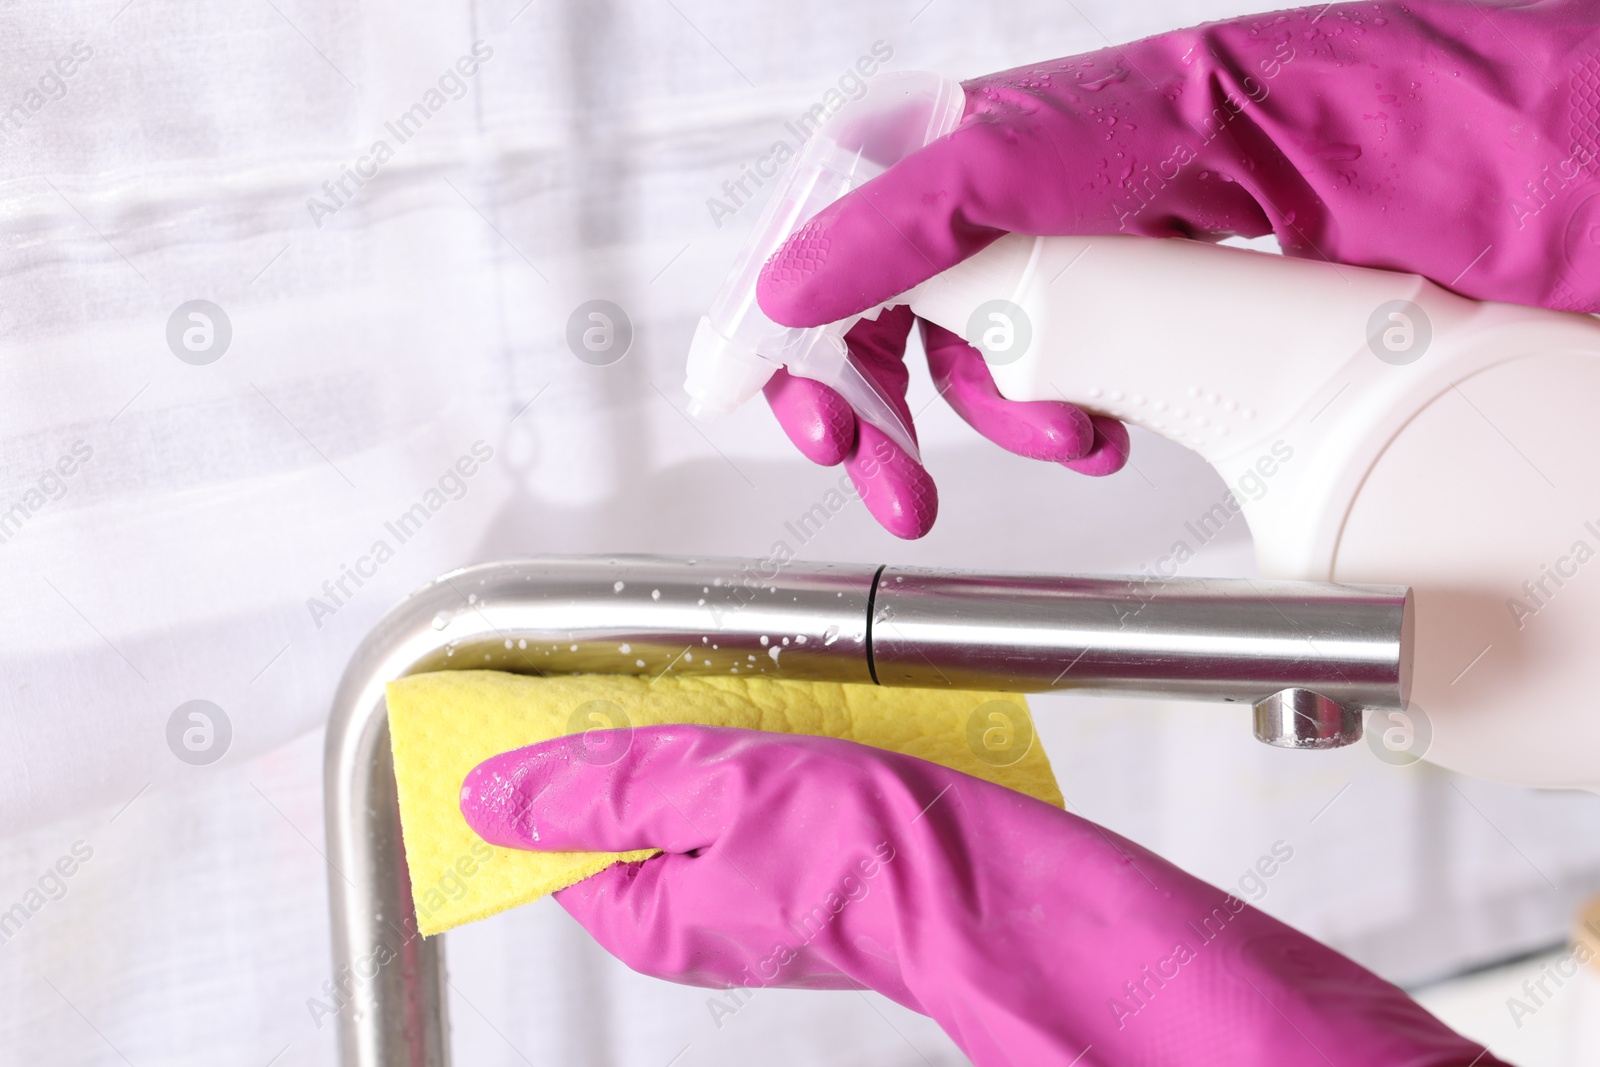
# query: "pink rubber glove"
{"points": [[897, 491], [1456, 140], [1031, 936]]}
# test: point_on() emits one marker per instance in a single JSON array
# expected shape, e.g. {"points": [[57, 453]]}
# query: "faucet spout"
{"points": [[1312, 655]]}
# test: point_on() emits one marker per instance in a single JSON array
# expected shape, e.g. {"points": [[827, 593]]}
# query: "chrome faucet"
{"points": [[1308, 658]]}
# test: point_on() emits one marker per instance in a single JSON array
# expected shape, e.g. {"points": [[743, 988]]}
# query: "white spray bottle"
{"points": [[1373, 427]]}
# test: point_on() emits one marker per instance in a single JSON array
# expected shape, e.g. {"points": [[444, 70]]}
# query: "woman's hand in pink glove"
{"points": [[1457, 141], [1031, 936]]}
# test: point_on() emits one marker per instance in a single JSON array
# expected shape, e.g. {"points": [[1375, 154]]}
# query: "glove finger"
{"points": [[817, 420], [1110, 451], [929, 211], [605, 791], [1048, 430], [897, 491], [631, 910], [663, 918]]}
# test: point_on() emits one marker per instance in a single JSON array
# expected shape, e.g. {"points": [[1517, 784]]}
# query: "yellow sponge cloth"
{"points": [[442, 725]]}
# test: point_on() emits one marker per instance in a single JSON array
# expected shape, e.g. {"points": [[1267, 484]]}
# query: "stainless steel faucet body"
{"points": [[1307, 657]]}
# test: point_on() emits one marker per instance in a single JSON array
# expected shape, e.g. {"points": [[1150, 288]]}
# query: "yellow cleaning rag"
{"points": [[442, 725]]}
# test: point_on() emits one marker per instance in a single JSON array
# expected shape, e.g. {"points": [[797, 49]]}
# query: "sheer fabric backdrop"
{"points": [[391, 311]]}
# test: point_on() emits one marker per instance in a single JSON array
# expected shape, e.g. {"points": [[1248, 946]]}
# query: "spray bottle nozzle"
{"points": [[736, 348]]}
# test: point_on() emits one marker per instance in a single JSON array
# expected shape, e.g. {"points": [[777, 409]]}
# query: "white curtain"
{"points": [[181, 525]]}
